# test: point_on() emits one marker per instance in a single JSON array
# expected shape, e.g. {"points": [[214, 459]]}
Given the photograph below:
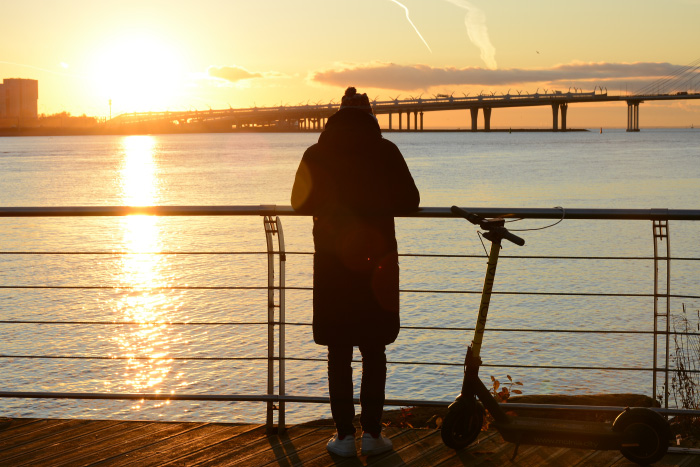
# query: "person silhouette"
{"points": [[353, 182]]}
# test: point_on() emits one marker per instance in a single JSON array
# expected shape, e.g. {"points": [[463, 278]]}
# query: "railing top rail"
{"points": [[274, 210]]}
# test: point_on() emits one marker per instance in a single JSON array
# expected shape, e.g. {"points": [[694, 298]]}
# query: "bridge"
{"points": [[409, 111], [412, 110]]}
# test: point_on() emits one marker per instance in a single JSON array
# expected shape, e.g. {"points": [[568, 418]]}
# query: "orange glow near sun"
{"points": [[138, 73]]}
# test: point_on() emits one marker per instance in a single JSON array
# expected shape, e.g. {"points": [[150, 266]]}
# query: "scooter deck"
{"points": [[563, 433]]}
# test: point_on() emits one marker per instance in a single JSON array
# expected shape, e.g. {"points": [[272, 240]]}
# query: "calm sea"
{"points": [[615, 169]]}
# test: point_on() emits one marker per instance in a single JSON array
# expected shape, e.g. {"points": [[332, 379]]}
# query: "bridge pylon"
{"points": [[633, 115], [487, 118], [556, 108]]}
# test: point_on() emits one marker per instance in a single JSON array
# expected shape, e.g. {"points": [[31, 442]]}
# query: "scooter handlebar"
{"points": [[483, 223], [512, 237], [471, 217]]}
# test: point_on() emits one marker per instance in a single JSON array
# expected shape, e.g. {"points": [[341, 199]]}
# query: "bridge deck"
{"points": [[41, 442]]}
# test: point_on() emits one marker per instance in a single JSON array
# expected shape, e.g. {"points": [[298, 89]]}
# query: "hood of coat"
{"points": [[350, 127]]}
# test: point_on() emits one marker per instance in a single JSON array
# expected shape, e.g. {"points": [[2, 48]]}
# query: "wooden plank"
{"points": [[532, 456], [93, 442], [252, 433], [420, 442], [478, 453], [439, 453], [669, 460], [55, 443], [162, 446], [236, 448], [152, 433], [286, 452], [7, 424], [262, 447], [599, 458], [496, 452], [319, 456], [399, 437], [33, 450], [685, 460], [552, 456], [36, 429], [183, 445]]}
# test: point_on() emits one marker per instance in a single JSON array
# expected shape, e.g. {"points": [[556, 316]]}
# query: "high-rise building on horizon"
{"points": [[19, 98]]}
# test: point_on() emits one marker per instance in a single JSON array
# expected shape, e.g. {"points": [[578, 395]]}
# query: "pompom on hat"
{"points": [[353, 100]]}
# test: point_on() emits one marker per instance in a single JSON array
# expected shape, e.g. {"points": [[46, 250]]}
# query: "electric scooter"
{"points": [[640, 434]]}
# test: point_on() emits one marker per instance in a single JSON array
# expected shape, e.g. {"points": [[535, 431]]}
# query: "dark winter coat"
{"points": [[353, 182]]}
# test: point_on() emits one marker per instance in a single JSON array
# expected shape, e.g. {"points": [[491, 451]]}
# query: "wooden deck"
{"points": [[40, 442]]}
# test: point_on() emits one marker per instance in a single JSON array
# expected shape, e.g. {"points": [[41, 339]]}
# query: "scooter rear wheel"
{"points": [[645, 435], [462, 424]]}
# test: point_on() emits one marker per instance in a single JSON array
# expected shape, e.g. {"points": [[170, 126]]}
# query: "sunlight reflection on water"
{"points": [[140, 272]]}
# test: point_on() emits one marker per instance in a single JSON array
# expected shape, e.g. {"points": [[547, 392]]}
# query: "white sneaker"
{"points": [[343, 447], [372, 445]]}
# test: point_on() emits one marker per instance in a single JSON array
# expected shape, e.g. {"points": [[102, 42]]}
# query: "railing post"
{"points": [[282, 335], [273, 226], [662, 301]]}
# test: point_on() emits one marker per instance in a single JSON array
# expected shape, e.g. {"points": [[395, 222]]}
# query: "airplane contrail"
{"points": [[59, 73], [475, 20], [414, 26]]}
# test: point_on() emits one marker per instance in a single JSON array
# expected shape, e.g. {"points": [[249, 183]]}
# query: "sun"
{"points": [[139, 72]]}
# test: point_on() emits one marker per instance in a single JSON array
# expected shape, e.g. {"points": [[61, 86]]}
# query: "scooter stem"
{"points": [[486, 296]]}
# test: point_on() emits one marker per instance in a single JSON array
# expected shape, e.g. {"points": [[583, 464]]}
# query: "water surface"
{"points": [[650, 169]]}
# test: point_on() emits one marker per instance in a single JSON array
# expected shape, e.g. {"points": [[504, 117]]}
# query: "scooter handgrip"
{"points": [[514, 238], [471, 217]]}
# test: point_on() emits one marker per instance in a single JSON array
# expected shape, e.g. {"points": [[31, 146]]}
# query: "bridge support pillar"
{"points": [[408, 120], [555, 117], [415, 121], [400, 123], [390, 121], [421, 120], [564, 108], [475, 115], [632, 115], [487, 118]]}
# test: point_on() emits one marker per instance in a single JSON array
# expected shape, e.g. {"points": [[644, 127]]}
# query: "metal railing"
{"points": [[276, 287]]}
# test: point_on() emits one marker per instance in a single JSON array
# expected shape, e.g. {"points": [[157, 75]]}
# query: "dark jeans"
{"points": [[340, 387]]}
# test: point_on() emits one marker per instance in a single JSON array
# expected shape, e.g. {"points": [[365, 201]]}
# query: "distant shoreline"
{"points": [[99, 132]]}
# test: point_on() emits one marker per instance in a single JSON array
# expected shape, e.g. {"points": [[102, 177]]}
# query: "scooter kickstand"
{"points": [[515, 452]]}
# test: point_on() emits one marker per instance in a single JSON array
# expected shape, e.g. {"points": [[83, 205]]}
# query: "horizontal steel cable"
{"points": [[277, 323], [323, 360], [150, 323], [417, 255], [467, 292], [138, 287], [101, 357]]}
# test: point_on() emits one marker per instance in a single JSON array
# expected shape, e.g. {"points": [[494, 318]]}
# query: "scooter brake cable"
{"points": [[482, 243], [563, 214]]}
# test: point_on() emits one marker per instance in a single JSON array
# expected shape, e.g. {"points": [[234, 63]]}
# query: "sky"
{"points": [[153, 55]]}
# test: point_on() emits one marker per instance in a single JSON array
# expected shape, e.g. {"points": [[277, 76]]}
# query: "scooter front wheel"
{"points": [[645, 435], [462, 424]]}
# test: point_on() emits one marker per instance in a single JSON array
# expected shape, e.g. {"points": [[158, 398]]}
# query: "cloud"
{"points": [[422, 77], [232, 73]]}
